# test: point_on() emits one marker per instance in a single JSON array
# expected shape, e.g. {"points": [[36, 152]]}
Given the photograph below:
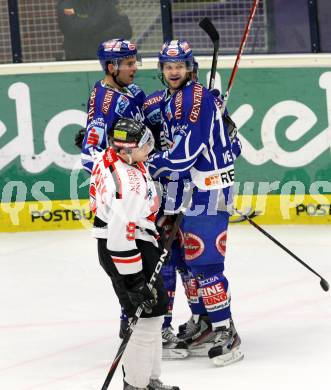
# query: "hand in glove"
{"points": [[139, 293], [79, 138], [231, 127]]}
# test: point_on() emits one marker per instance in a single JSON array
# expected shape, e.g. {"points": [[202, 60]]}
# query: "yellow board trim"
{"points": [[75, 214]]}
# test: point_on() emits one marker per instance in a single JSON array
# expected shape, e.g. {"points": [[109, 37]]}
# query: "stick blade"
{"points": [[207, 25], [324, 284]]}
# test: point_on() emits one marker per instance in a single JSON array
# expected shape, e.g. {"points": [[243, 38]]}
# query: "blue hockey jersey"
{"points": [[105, 106], [198, 149]]}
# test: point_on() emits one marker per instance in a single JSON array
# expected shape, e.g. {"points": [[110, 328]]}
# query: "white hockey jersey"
{"points": [[125, 202]]}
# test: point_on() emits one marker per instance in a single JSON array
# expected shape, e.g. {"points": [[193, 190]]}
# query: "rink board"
{"points": [[286, 137], [68, 214]]}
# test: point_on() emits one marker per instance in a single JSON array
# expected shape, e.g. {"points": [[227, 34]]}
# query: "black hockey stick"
{"points": [[249, 213], [324, 284], [150, 284], [210, 29]]}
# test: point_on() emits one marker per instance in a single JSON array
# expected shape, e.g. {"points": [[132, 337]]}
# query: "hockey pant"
{"points": [[142, 356], [150, 256], [175, 263], [204, 252]]}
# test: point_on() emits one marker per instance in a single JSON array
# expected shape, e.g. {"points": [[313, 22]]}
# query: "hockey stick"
{"points": [[240, 51], [249, 213], [324, 284], [150, 284], [210, 29]]}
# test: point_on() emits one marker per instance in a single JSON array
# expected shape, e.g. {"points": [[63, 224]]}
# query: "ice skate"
{"points": [[225, 350], [198, 335], [172, 347], [182, 328], [126, 386], [156, 384]]}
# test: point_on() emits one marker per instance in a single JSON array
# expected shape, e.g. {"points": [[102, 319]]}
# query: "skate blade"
{"points": [[171, 354], [227, 359], [200, 350]]}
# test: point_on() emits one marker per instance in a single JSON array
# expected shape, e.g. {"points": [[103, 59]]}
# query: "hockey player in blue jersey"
{"points": [[111, 98], [173, 347], [199, 153]]}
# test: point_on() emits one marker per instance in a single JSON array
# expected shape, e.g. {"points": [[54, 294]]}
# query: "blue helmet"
{"points": [[176, 51], [114, 51]]}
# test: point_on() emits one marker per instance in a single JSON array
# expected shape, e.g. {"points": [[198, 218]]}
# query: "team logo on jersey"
{"points": [[107, 101], [91, 109], [154, 117], [196, 106], [221, 243], [178, 104], [121, 105], [95, 136], [193, 246]]}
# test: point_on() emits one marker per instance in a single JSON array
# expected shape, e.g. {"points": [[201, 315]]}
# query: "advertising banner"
{"points": [[284, 121]]}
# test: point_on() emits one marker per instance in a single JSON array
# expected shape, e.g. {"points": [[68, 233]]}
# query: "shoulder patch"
{"points": [[107, 101], [109, 157], [122, 104], [134, 89], [196, 106], [178, 104]]}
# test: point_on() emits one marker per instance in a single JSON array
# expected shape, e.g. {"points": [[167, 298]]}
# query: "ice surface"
{"points": [[59, 316]]}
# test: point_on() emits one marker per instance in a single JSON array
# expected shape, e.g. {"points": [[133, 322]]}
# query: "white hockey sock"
{"points": [[156, 369], [138, 358]]}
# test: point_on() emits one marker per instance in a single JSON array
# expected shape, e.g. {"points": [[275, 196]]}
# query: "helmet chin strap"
{"points": [[117, 80]]}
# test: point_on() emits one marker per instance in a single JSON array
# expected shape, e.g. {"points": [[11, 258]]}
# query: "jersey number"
{"points": [[131, 231]]}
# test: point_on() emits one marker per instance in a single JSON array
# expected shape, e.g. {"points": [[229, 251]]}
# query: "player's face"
{"points": [[140, 154], [127, 70], [175, 74]]}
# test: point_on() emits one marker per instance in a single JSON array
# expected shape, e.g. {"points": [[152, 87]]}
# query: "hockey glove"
{"points": [[231, 127], [139, 293], [215, 92], [79, 137]]}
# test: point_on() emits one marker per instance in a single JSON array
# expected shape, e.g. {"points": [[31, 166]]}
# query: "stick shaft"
{"points": [[274, 240], [240, 51]]}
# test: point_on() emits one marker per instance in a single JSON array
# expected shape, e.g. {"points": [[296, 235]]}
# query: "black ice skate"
{"points": [[198, 335], [156, 384], [172, 347], [225, 350], [129, 387]]}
